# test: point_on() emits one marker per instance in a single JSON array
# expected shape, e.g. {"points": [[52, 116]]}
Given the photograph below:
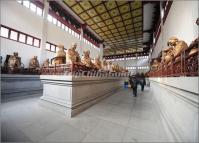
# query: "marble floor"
{"points": [[118, 118]]}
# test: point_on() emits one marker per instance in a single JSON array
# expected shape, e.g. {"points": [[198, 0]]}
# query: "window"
{"points": [[26, 4], [13, 35], [33, 7], [48, 46], [39, 11], [54, 20], [22, 38], [29, 40], [66, 28], [19, 1], [53, 48], [72, 32], [58, 23], [36, 42], [49, 18], [69, 30], [4, 32], [62, 26]]}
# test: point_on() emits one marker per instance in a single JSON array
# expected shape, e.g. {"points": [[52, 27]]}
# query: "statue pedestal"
{"points": [[75, 94]]}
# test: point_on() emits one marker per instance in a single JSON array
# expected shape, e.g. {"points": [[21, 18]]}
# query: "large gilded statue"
{"points": [[34, 64], [155, 64], [167, 55], [72, 56], [86, 60], [14, 63], [105, 65], [60, 55], [46, 63], [111, 66], [98, 63], [177, 45]]}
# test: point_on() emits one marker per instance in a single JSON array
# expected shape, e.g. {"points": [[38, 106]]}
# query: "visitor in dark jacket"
{"points": [[133, 82], [142, 81]]}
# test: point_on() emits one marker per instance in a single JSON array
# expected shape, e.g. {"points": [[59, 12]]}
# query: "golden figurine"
{"points": [[177, 45], [34, 64], [14, 63], [105, 65], [72, 56], [86, 60], [60, 55], [46, 63], [98, 63]]}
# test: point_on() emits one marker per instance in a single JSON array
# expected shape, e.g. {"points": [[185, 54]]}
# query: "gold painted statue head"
{"points": [[172, 41], [74, 46]]}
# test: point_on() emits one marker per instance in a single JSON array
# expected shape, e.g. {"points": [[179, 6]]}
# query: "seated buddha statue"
{"points": [[34, 64], [60, 55], [111, 66], [72, 56], [14, 63], [86, 60], [178, 46], [97, 62], [46, 63], [155, 64], [105, 65]]}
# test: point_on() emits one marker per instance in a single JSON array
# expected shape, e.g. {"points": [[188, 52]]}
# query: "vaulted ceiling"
{"points": [[118, 23]]}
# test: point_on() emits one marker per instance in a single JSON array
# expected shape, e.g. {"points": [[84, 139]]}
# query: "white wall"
{"points": [[178, 108], [180, 22], [18, 17]]}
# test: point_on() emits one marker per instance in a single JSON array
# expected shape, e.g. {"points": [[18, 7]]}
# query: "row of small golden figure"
{"points": [[72, 56], [173, 52]]}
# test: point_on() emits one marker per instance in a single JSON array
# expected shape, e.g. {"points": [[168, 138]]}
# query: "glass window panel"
{"points": [[19, 1], [47, 46], [39, 11], [53, 48], [62, 26], [58, 23], [26, 4], [72, 32], [29, 40], [50, 18], [4, 32], [22, 38], [13, 35], [66, 28], [69, 30], [54, 21], [33, 7], [36, 42]]}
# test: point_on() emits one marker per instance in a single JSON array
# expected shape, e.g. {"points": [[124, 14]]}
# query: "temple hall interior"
{"points": [[99, 70]]}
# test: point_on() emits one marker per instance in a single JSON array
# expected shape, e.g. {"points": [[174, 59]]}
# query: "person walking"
{"points": [[143, 81], [133, 82]]}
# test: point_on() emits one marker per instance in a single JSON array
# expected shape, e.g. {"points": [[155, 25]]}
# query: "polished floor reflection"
{"points": [[118, 118]]}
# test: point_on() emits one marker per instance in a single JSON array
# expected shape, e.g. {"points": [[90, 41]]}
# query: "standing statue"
{"points": [[14, 63], [60, 56], [98, 63], [72, 56], [178, 46], [34, 64], [86, 60], [46, 63]]}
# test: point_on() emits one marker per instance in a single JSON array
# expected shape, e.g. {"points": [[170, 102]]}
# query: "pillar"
{"points": [[44, 32]]}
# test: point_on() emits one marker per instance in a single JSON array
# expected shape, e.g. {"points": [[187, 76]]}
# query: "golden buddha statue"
{"points": [[14, 63], [178, 46], [34, 64], [60, 55], [72, 56], [105, 65], [111, 66], [98, 63], [86, 60], [46, 63]]}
